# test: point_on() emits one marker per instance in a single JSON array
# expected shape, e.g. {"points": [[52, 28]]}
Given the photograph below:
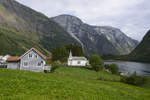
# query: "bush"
{"points": [[113, 68], [134, 79], [54, 67], [96, 63]]}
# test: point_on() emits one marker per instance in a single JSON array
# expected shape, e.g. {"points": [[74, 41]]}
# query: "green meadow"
{"points": [[67, 84]]}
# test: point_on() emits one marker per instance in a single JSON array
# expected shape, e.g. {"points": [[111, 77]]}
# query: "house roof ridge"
{"points": [[39, 52], [78, 58]]}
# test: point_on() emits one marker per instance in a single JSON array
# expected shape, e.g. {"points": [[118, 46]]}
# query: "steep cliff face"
{"points": [[142, 51], [120, 41], [97, 39], [31, 26]]}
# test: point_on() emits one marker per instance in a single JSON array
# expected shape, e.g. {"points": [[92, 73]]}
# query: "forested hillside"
{"points": [[22, 28]]}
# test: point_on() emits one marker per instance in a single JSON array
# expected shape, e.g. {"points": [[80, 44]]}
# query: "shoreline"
{"points": [[126, 61]]}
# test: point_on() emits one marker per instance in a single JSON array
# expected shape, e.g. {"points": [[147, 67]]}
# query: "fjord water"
{"points": [[131, 67]]}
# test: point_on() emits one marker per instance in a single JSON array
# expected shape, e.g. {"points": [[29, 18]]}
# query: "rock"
{"points": [[97, 39]]}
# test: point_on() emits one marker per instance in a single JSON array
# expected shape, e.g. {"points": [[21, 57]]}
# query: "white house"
{"points": [[77, 61], [1, 58], [4, 59], [32, 60]]}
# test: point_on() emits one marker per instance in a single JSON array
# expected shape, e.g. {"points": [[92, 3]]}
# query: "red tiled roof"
{"points": [[13, 59], [40, 53]]}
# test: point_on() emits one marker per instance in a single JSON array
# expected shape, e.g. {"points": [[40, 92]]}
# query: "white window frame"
{"points": [[31, 55], [24, 64], [78, 62], [36, 56], [39, 63]]}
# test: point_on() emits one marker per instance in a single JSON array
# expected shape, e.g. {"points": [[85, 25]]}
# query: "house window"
{"points": [[79, 62], [36, 56], [25, 64], [30, 55], [39, 63]]}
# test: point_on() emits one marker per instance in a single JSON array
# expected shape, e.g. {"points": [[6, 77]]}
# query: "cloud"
{"points": [[131, 16]]}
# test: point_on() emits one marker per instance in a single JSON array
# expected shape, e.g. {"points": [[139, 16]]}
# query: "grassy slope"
{"points": [[16, 44], [29, 28], [66, 84]]}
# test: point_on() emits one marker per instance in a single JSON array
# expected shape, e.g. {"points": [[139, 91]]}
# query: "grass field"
{"points": [[66, 84]]}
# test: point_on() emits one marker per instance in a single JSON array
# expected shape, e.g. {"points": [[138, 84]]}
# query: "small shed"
{"points": [[13, 63]]}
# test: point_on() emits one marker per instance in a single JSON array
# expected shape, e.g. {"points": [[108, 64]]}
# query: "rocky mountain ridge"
{"points": [[97, 39]]}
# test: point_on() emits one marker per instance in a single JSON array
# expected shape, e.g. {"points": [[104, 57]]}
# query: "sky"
{"points": [[130, 16]]}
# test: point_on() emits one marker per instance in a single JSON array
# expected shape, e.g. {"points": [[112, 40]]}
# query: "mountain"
{"points": [[142, 51], [97, 39], [21, 28]]}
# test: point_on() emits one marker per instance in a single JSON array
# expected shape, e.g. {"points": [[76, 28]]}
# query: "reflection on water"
{"points": [[131, 67]]}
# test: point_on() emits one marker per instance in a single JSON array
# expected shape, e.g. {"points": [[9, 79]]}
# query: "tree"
{"points": [[134, 79], [96, 62], [76, 50], [54, 66], [113, 68], [60, 53]]}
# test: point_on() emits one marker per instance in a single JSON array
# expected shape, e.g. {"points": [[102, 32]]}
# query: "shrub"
{"points": [[134, 79], [54, 67], [96, 62], [113, 68], [48, 63]]}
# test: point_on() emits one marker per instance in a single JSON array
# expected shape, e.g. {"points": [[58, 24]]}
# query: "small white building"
{"points": [[77, 61], [4, 59], [1, 58]]}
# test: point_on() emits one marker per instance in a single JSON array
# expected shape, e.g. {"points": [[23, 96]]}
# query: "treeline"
{"points": [[62, 53]]}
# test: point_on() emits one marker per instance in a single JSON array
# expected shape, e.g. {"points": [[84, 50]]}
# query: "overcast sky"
{"points": [[131, 16]]}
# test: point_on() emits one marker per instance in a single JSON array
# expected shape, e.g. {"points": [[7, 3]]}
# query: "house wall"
{"points": [[13, 65], [32, 62], [76, 62]]}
